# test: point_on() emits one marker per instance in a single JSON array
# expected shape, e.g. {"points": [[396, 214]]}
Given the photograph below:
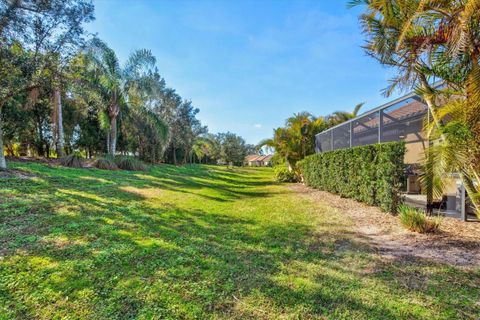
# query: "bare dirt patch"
{"points": [[456, 243]]}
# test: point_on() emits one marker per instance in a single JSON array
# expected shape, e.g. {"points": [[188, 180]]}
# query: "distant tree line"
{"points": [[63, 91]]}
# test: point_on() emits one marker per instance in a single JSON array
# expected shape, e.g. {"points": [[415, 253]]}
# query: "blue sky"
{"points": [[248, 65]]}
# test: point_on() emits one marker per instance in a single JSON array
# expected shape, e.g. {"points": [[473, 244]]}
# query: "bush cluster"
{"points": [[129, 163], [282, 174], [416, 220], [372, 174], [73, 160], [105, 164]]}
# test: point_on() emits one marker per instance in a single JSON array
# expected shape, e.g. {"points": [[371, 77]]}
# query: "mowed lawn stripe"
{"points": [[199, 242]]}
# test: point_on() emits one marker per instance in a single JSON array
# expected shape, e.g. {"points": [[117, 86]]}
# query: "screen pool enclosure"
{"points": [[399, 120]]}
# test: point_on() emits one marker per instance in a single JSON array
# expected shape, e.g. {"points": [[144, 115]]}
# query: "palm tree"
{"points": [[396, 41], [57, 70], [452, 152], [202, 148], [296, 140], [115, 83], [343, 116], [425, 38]]}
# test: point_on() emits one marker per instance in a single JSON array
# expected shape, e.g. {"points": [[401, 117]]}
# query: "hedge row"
{"points": [[372, 174]]}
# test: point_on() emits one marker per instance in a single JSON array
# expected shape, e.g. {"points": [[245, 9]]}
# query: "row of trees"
{"points": [[424, 40], [63, 91], [227, 148]]}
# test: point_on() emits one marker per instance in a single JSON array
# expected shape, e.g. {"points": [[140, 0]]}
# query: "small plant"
{"points": [[105, 164], [416, 220], [73, 160], [129, 163], [282, 174]]}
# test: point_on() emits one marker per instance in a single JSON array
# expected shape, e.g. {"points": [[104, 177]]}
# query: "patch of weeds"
{"points": [[130, 163], [105, 164], [73, 160], [416, 220]]}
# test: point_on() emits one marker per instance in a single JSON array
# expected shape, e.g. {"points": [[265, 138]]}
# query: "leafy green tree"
{"points": [[30, 32], [185, 128], [233, 148]]}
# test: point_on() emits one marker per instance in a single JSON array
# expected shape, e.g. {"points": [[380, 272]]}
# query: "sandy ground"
{"points": [[456, 243]]}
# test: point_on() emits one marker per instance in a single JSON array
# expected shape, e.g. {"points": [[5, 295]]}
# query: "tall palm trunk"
{"points": [[428, 97], [108, 142], [3, 162], [112, 148], [174, 154], [185, 155], [113, 112], [60, 136]]}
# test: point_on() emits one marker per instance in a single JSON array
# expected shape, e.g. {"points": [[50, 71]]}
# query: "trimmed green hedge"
{"points": [[372, 174]]}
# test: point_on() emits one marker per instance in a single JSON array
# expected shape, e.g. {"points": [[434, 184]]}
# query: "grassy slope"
{"points": [[199, 242]]}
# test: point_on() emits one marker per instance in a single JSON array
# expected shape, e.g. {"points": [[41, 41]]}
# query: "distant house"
{"points": [[255, 160]]}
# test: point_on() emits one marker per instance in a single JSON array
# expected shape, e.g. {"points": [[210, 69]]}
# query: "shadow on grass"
{"points": [[114, 256], [188, 180]]}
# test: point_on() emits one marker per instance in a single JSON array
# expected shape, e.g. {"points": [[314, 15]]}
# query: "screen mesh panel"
{"points": [[400, 121], [323, 141], [341, 137], [365, 130], [404, 121]]}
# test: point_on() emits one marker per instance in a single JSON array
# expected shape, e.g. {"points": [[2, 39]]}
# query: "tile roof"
{"points": [[412, 109], [255, 157]]}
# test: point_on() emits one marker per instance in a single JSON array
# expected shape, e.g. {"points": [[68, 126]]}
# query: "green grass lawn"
{"points": [[200, 242]]}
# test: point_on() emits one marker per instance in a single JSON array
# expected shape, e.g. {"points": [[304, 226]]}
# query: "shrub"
{"points": [[105, 164], [129, 163], [416, 220], [372, 174], [73, 160], [282, 174]]}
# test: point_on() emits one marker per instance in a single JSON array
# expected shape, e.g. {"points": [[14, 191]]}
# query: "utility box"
{"points": [[413, 185]]}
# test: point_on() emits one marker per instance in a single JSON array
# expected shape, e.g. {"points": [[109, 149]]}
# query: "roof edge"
{"points": [[383, 106]]}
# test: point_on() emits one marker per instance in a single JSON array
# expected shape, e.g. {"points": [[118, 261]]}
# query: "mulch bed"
{"points": [[33, 159], [456, 243]]}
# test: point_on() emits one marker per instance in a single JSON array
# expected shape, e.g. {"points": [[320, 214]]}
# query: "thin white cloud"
{"points": [[257, 125]]}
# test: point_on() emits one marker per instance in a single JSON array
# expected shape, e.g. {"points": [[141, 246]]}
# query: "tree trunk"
{"points": [[60, 139], [41, 140], [174, 154], [3, 162], [108, 142], [431, 116], [112, 148], [432, 107], [429, 176], [184, 161]]}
